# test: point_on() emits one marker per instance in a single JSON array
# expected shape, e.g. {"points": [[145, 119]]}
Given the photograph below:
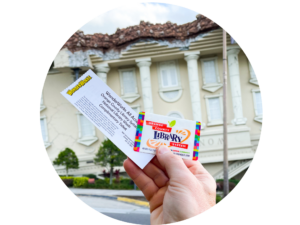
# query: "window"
{"points": [[168, 75], [214, 106], [42, 106], [209, 68], [170, 89], [253, 79], [44, 131], [211, 78], [87, 128], [175, 114], [129, 90], [87, 132], [257, 105]]}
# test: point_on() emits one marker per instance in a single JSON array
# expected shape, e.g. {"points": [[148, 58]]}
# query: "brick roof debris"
{"points": [[123, 37]]}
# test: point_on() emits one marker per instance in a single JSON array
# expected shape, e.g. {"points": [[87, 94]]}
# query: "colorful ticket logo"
{"points": [[155, 130]]}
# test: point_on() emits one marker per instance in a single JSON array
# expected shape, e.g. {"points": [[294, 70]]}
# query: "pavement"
{"points": [[123, 208]]}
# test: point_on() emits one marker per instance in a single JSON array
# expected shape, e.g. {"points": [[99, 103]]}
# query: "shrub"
{"points": [[234, 181], [91, 176], [80, 181], [220, 184], [69, 178], [218, 198], [68, 182], [104, 184], [107, 179], [126, 181]]}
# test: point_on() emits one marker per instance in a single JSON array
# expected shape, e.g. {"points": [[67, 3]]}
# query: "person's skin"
{"points": [[176, 189]]}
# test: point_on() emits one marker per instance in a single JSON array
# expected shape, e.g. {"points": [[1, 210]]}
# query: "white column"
{"points": [[102, 70], [235, 85], [192, 63], [144, 65]]}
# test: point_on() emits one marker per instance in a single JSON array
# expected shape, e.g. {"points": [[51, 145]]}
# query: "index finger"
{"points": [[195, 166]]}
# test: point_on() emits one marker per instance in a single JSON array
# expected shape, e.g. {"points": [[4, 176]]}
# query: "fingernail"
{"points": [[163, 149]]}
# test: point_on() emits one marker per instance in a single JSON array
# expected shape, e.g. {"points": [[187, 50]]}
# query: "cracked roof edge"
{"points": [[167, 34], [80, 58]]}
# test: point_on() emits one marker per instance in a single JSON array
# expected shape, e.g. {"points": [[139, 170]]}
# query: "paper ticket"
{"points": [[181, 136], [108, 112]]}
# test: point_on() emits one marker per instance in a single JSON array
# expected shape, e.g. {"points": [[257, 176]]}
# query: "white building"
{"points": [[166, 69]]}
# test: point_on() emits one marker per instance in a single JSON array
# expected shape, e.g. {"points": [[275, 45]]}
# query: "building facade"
{"points": [[167, 69]]}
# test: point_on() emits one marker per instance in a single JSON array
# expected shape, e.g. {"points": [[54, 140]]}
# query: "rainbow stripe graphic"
{"points": [[197, 140], [139, 131]]}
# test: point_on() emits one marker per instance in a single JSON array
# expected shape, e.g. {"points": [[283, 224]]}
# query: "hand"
{"points": [[176, 189]]}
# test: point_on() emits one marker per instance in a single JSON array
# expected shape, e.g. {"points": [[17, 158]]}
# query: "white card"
{"points": [[108, 112], [180, 135]]}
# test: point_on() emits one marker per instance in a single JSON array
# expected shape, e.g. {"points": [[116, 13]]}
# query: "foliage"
{"points": [[218, 198], [80, 181], [68, 159], [68, 178], [232, 183], [109, 155], [125, 184], [230, 180], [107, 180], [117, 180], [67, 182], [105, 174]]}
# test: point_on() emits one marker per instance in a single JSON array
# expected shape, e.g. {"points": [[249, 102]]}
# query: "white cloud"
{"points": [[132, 15]]}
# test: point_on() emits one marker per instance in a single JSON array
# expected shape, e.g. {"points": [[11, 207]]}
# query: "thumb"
{"points": [[173, 164]]}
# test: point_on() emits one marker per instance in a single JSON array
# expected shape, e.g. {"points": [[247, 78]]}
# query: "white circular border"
{"points": [[182, 117], [161, 94]]}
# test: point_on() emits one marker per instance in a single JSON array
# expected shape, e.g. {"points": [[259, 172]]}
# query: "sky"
{"points": [[130, 15]]}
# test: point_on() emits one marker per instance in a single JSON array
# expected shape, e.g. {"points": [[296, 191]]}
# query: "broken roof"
{"points": [[145, 30]]}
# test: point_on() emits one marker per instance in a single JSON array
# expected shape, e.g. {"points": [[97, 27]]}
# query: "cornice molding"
{"points": [[144, 64], [191, 57]]}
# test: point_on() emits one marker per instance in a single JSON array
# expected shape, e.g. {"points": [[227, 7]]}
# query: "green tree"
{"points": [[68, 159], [111, 155]]}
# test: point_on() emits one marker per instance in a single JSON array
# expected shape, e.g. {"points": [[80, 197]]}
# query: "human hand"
{"points": [[176, 189]]}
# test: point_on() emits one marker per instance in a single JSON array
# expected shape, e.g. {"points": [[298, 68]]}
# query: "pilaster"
{"points": [[101, 71], [192, 64], [235, 85], [144, 65]]}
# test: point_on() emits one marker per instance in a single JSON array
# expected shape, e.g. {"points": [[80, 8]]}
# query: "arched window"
{"points": [[175, 114]]}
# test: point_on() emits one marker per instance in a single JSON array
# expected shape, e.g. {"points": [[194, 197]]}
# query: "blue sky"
{"points": [[132, 14]]}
